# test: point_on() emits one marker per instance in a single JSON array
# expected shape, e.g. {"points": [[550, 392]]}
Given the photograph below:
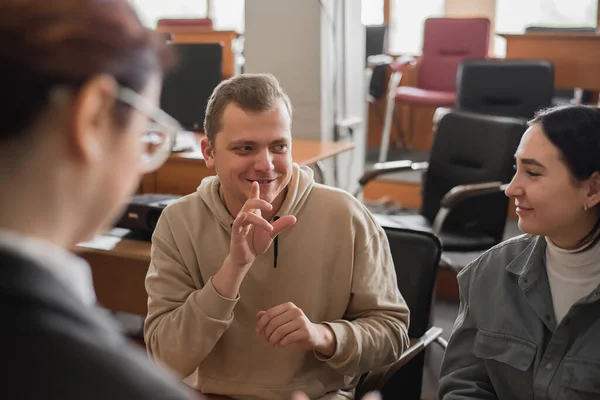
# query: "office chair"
{"points": [[376, 59], [376, 40], [416, 255], [510, 88], [470, 163], [446, 42]]}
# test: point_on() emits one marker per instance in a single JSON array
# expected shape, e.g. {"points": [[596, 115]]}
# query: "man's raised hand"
{"points": [[251, 234]]}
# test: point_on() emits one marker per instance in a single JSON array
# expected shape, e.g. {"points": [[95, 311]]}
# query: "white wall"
{"points": [[283, 37], [293, 40]]}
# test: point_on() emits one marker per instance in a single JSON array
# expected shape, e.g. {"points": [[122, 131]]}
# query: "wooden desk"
{"points": [[183, 172], [119, 269], [576, 56]]}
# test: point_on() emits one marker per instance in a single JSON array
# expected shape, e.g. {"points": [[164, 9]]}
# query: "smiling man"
{"points": [[263, 283]]}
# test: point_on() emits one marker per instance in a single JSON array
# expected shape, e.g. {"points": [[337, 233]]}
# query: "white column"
{"points": [[294, 40]]}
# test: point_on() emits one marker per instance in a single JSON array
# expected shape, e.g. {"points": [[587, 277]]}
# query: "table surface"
{"points": [[304, 152]]}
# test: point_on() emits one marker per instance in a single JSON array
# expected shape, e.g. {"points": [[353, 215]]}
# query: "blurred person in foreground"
{"points": [[80, 82]]}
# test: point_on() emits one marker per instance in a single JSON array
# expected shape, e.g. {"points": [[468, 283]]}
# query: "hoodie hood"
{"points": [[298, 191]]}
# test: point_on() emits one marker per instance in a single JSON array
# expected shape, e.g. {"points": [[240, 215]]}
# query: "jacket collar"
{"points": [[529, 264]]}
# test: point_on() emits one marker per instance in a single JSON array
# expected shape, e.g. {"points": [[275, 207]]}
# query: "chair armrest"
{"points": [[375, 380], [438, 114], [460, 193], [443, 343], [390, 167], [402, 62], [379, 59]]}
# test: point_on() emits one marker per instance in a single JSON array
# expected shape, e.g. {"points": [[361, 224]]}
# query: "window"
{"points": [[150, 11], [408, 18], [225, 14], [513, 16], [372, 12], [228, 15]]}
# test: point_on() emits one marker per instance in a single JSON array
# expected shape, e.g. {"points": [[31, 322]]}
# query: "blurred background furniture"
{"points": [[574, 55], [200, 31], [463, 201], [446, 42], [166, 23], [570, 95], [511, 88]]}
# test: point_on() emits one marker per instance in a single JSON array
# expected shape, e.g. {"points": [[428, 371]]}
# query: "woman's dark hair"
{"points": [[46, 43], [575, 131]]}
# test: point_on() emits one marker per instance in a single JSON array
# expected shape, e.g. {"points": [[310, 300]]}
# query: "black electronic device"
{"points": [[189, 84], [143, 211], [376, 40]]}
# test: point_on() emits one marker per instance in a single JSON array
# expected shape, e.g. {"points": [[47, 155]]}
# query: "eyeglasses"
{"points": [[159, 139]]}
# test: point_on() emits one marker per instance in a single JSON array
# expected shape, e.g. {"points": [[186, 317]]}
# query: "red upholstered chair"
{"points": [[446, 42]]}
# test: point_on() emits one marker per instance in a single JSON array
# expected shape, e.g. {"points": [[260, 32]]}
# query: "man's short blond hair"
{"points": [[250, 92]]}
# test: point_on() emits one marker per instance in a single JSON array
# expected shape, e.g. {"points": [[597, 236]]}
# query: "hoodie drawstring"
{"points": [[275, 246]]}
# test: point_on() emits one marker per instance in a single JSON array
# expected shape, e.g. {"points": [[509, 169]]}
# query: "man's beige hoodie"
{"points": [[334, 264]]}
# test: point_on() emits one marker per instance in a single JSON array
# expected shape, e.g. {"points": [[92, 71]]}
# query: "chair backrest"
{"points": [[376, 40], [416, 256], [446, 42], [512, 88], [376, 44], [472, 148]]}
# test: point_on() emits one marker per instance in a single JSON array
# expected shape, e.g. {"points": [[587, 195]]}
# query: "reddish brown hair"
{"points": [[66, 42]]}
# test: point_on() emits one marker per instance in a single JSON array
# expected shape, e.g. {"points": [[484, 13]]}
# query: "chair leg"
{"points": [[399, 132], [389, 114], [406, 133], [578, 96]]}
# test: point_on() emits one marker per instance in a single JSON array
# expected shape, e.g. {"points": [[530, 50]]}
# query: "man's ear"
{"points": [[208, 152], [92, 118], [593, 196]]}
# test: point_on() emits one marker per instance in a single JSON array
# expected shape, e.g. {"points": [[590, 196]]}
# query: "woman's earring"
{"points": [[585, 207]]}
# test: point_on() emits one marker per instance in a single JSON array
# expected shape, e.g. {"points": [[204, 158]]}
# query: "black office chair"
{"points": [[416, 255], [471, 162], [376, 39], [376, 59], [511, 88]]}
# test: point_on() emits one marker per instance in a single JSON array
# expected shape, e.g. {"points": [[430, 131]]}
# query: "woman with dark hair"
{"points": [[529, 317], [80, 80]]}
